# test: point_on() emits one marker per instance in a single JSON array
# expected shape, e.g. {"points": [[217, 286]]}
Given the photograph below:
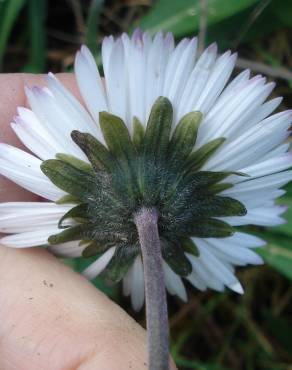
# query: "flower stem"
{"points": [[156, 305]]}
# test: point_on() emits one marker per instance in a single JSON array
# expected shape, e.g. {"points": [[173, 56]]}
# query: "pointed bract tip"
{"points": [[75, 135], [162, 99], [104, 114]]}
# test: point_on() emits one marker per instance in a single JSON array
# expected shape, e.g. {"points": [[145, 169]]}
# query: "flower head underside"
{"points": [[154, 169], [165, 130]]}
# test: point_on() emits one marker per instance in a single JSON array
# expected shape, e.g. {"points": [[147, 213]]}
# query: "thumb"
{"points": [[53, 318]]}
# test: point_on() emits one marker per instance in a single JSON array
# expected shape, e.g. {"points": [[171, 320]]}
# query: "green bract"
{"points": [[153, 168]]}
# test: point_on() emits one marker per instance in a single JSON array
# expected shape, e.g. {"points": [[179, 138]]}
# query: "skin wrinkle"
{"points": [[71, 325]]}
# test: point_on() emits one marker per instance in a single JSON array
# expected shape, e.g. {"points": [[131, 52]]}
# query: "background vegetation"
{"points": [[213, 331]]}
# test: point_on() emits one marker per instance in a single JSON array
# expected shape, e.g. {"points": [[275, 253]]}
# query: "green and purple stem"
{"points": [[156, 304]]}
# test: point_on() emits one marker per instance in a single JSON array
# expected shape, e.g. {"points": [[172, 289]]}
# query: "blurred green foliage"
{"points": [[9, 11], [212, 331], [181, 17]]}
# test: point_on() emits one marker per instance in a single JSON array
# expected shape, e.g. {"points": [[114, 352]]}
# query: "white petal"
{"points": [[115, 81], [194, 87], [249, 109], [18, 156], [29, 239], [219, 76], [173, 61], [270, 182], [89, 83], [137, 284], [280, 149], [54, 119], [236, 287], [216, 267], [67, 250], [178, 73], [81, 119], [232, 252], [204, 274], [263, 216], [197, 81], [197, 281], [174, 283], [233, 86], [155, 71], [34, 135], [127, 282], [106, 49], [228, 121], [24, 169], [239, 239], [23, 217], [253, 144], [259, 198], [231, 89], [264, 111], [136, 68], [94, 269], [264, 168]]}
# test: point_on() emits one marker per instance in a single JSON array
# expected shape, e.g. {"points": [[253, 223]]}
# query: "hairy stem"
{"points": [[156, 305]]}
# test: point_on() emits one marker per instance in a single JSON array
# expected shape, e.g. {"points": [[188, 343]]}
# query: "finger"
{"points": [[55, 319], [11, 96]]}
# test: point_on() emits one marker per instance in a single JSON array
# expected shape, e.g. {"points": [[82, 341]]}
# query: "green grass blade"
{"points": [[182, 17], [9, 13], [37, 36], [92, 22]]}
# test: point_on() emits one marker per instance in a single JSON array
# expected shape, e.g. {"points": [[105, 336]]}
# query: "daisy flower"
{"points": [[168, 159]]}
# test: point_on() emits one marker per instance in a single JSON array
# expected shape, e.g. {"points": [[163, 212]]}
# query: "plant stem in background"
{"points": [[37, 11], [92, 22], [156, 305], [203, 25]]}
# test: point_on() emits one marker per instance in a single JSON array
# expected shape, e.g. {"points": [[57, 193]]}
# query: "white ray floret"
{"points": [[99, 265], [68, 250], [89, 82], [133, 284], [174, 283], [21, 217], [30, 238], [24, 169]]}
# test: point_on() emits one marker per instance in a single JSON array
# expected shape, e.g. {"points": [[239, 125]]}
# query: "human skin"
{"points": [[52, 318]]}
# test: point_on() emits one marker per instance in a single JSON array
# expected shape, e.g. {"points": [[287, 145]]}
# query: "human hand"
{"points": [[51, 317]]}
